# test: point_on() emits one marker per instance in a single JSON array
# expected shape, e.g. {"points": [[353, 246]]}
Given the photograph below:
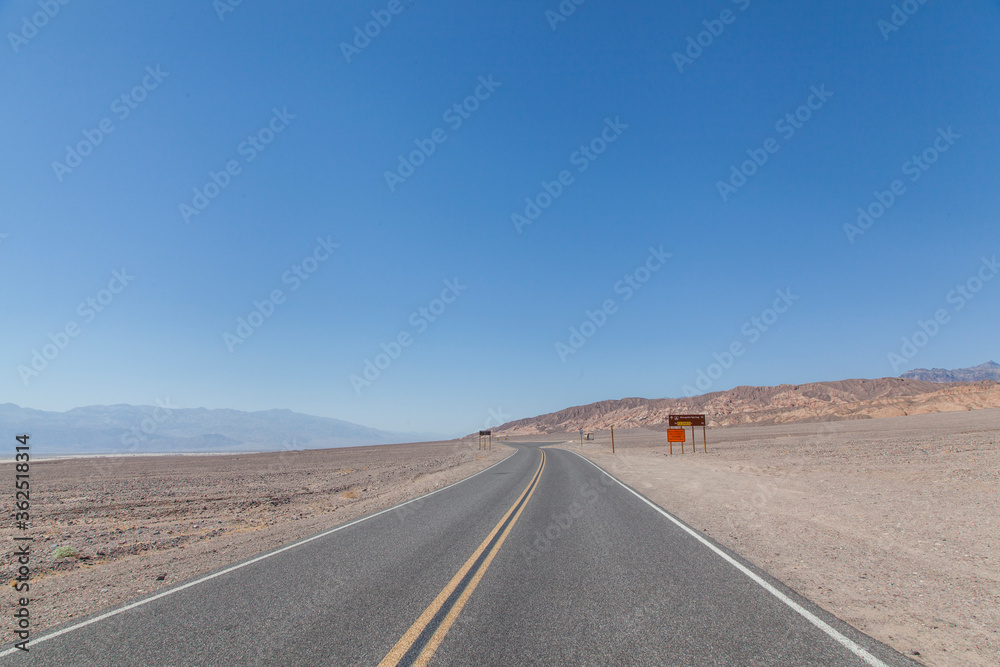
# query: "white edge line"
{"points": [[239, 566], [850, 645]]}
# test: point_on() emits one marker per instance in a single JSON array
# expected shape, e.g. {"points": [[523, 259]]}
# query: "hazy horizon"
{"points": [[492, 422]]}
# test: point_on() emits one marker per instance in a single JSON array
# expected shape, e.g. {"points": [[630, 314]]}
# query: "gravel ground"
{"points": [[891, 524], [141, 523]]}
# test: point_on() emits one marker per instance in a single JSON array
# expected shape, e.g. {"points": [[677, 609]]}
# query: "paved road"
{"points": [[540, 560]]}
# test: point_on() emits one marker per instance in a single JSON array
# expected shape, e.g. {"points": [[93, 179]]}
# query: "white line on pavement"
{"points": [[851, 646], [239, 566]]}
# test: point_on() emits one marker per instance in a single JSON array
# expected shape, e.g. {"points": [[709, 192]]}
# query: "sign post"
{"points": [[676, 435], [684, 421]]}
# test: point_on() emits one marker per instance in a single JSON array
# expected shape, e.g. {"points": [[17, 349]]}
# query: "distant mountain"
{"points": [[988, 371], [110, 429], [816, 401]]}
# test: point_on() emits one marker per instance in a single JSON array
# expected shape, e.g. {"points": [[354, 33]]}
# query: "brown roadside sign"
{"points": [[676, 435], [686, 420]]}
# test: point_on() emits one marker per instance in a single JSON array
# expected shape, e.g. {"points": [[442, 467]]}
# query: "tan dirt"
{"points": [[141, 523], [891, 524]]}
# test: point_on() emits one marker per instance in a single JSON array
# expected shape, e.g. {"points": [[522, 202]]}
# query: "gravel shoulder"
{"points": [[891, 524], [141, 523]]}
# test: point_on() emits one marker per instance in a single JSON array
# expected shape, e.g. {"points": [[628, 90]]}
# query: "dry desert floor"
{"points": [[144, 522], [891, 524]]}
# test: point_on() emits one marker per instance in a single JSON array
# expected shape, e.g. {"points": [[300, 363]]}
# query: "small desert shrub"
{"points": [[65, 552]]}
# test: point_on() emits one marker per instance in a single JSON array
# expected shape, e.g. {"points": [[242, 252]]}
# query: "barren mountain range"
{"points": [[988, 371], [143, 429], [812, 402]]}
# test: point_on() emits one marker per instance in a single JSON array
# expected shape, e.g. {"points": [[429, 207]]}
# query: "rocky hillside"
{"points": [[988, 371], [816, 401]]}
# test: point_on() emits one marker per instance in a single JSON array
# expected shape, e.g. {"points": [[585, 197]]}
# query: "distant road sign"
{"points": [[676, 435], [686, 420]]}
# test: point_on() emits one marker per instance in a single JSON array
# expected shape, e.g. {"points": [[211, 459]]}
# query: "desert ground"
{"points": [[891, 524], [140, 523]]}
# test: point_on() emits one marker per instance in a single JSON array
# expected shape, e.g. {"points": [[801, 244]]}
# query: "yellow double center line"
{"points": [[417, 646]]}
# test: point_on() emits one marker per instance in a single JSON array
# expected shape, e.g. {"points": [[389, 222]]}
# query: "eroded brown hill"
{"points": [[815, 401]]}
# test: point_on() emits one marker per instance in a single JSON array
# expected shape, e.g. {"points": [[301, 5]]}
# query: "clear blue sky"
{"points": [[495, 347]]}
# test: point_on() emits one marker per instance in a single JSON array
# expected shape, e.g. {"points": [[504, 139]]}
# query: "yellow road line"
{"points": [[411, 635], [452, 616]]}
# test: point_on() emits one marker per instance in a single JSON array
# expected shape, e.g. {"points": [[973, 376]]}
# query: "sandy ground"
{"points": [[141, 523], [891, 524]]}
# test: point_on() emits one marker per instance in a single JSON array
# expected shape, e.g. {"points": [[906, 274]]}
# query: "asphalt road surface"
{"points": [[541, 559]]}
